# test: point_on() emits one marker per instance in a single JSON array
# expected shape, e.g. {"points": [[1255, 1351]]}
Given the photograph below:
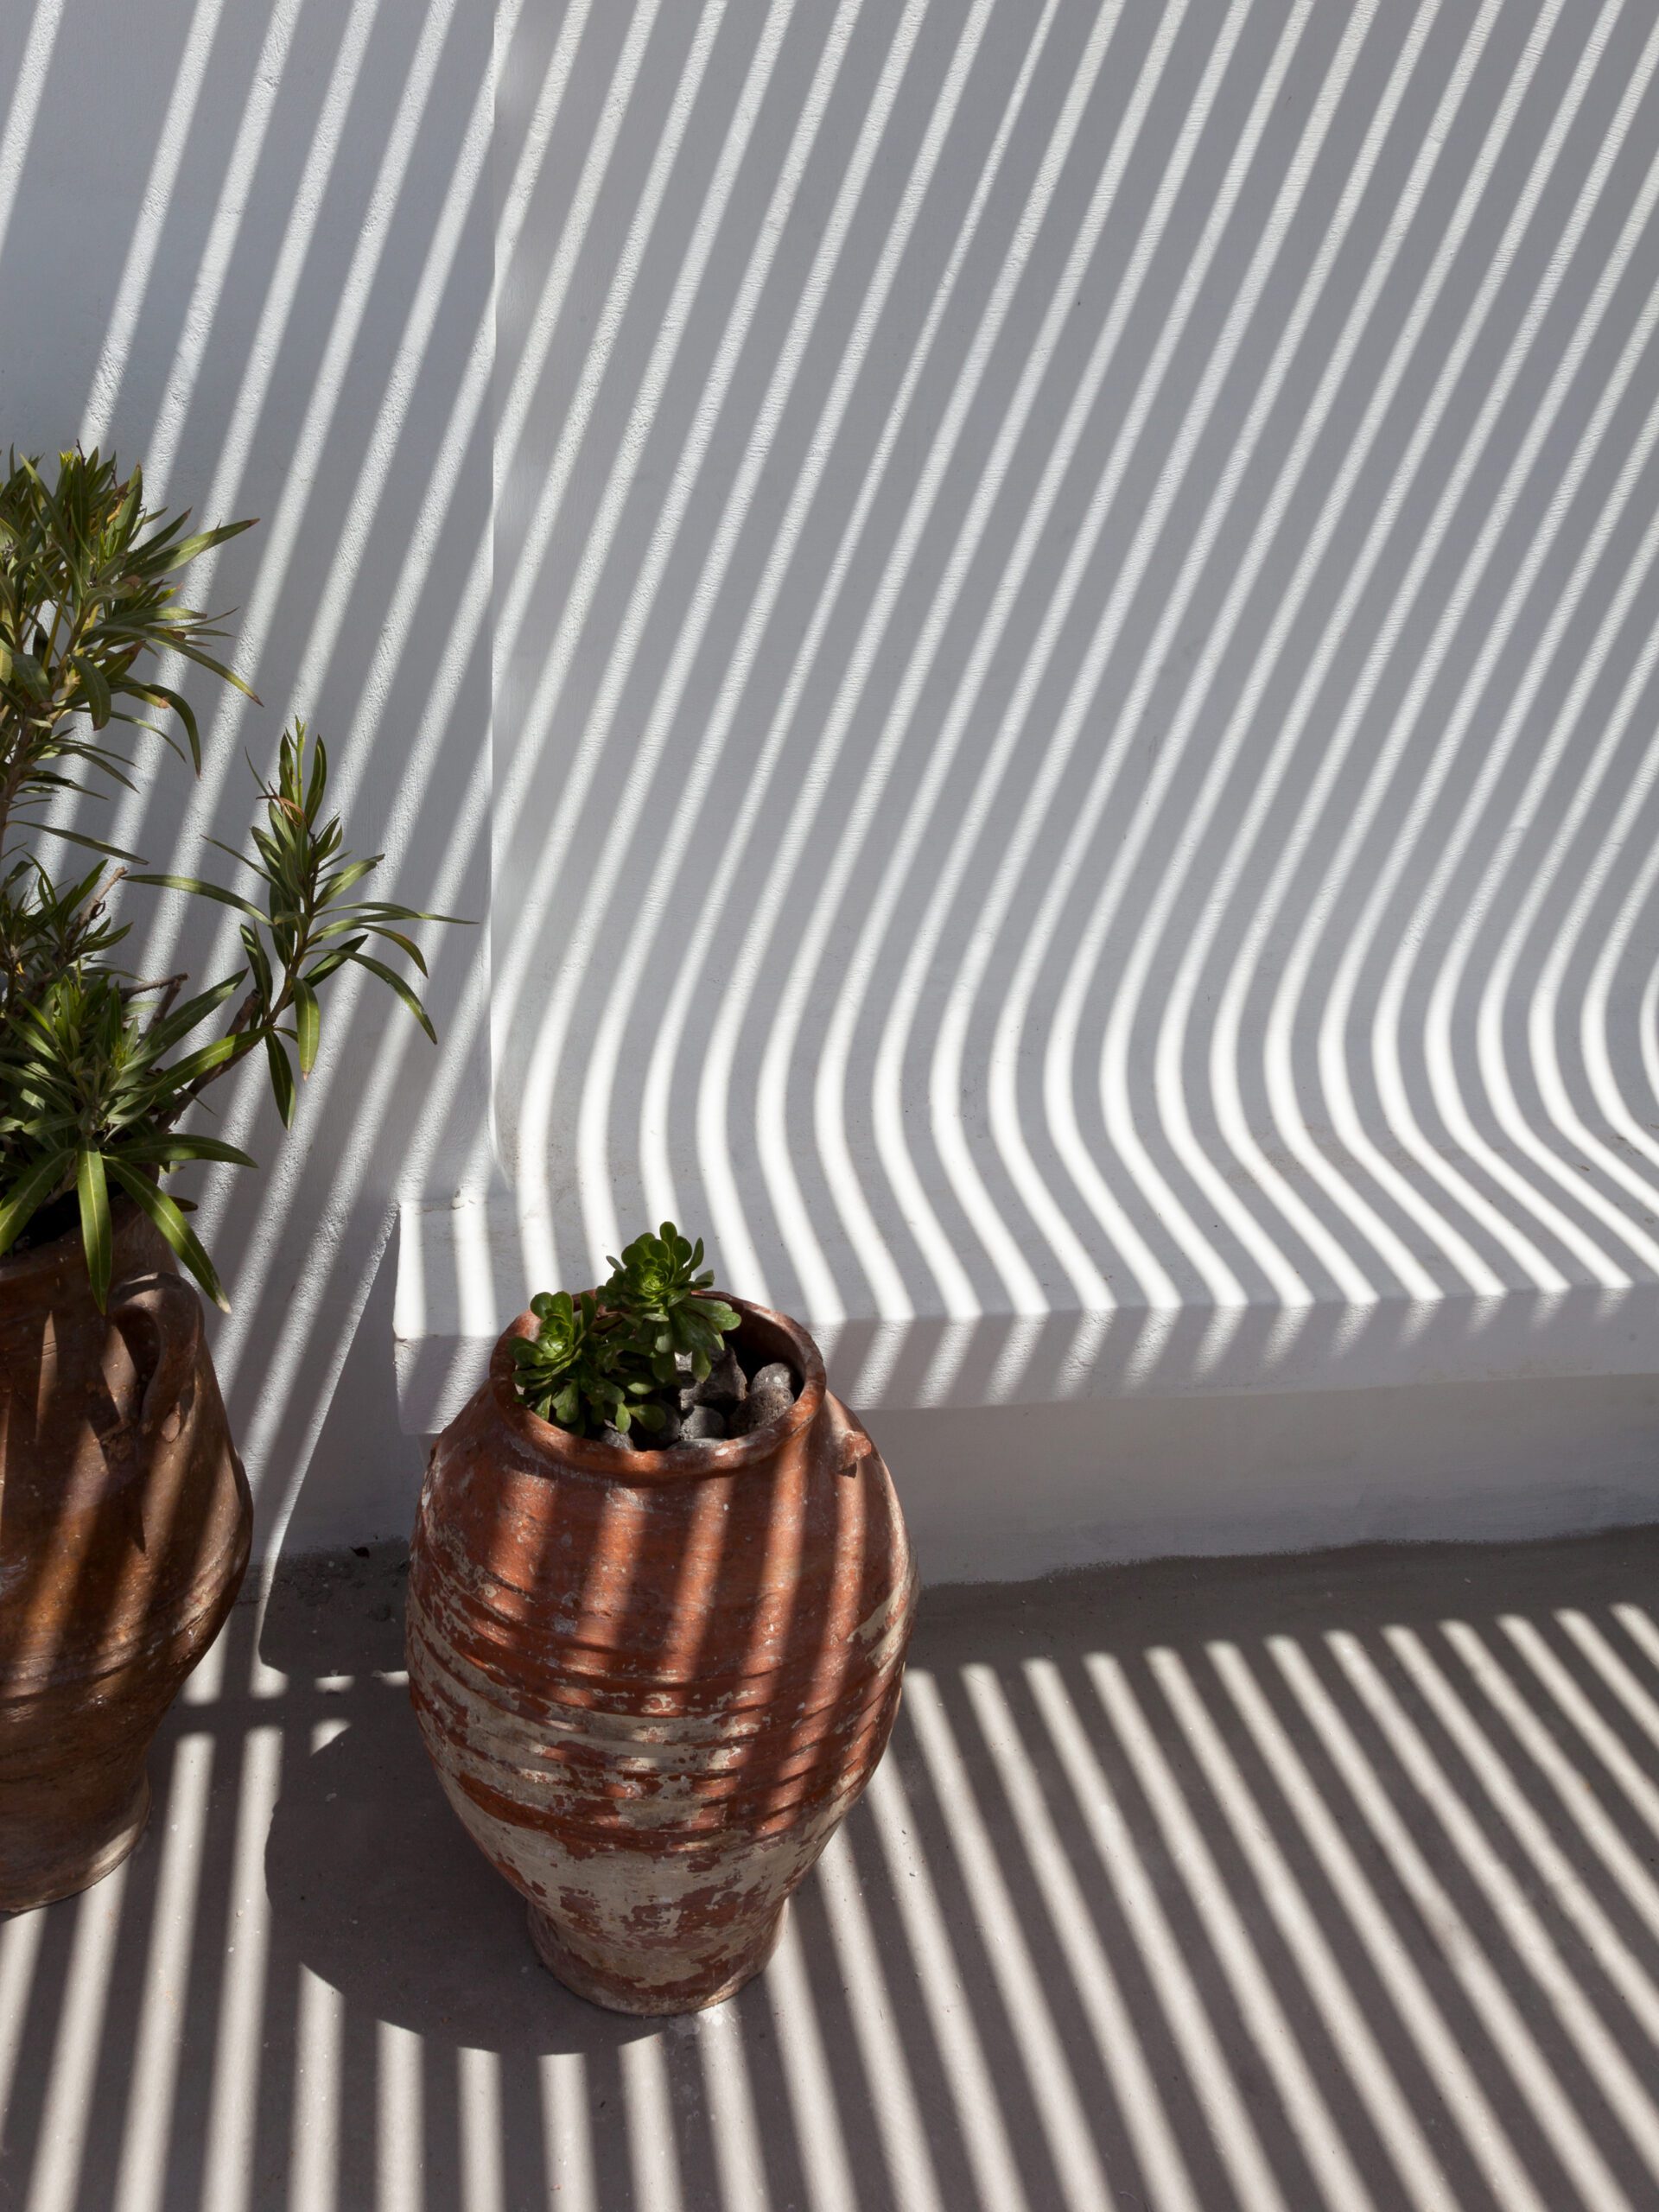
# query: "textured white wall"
{"points": [[251, 244], [1067, 616], [1075, 679]]}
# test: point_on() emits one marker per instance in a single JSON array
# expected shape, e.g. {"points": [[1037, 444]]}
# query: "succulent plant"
{"points": [[605, 1359]]}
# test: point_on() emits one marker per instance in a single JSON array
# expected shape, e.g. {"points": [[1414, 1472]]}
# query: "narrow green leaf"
{"points": [[282, 1078], [217, 1055], [96, 1238], [395, 982], [24, 1198], [202, 890], [162, 1035], [98, 845], [308, 1025], [173, 1226], [189, 548], [174, 1152], [344, 877], [28, 671], [94, 685]]}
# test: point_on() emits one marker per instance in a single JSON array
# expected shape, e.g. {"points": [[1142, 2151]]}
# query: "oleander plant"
{"points": [[100, 1066]]}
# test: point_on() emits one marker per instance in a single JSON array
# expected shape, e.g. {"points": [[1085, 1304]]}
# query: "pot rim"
{"points": [[680, 1463], [65, 1250]]}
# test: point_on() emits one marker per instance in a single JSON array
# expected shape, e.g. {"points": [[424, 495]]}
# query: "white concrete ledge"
{"points": [[467, 1267]]}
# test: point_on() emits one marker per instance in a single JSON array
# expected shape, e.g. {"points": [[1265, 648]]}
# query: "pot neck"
{"points": [[55, 1274], [759, 1330]]}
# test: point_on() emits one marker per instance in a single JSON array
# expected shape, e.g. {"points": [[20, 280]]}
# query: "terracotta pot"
{"points": [[124, 1524], [652, 1683]]}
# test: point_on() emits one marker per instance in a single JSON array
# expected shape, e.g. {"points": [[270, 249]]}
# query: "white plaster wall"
{"points": [[1075, 674], [251, 244], [1032, 621]]}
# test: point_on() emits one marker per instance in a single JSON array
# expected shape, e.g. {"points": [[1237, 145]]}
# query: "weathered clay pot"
{"points": [[652, 1683], [124, 1523]]}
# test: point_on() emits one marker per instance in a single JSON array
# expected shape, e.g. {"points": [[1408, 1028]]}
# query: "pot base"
{"points": [[48, 1868], [722, 1978]]}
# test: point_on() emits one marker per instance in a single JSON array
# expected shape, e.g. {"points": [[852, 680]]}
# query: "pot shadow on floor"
{"points": [[1153, 1858], [373, 1883]]}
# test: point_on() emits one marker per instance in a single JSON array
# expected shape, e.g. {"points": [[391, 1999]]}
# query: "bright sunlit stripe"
{"points": [[1078, 2173], [225, 236], [979, 2115], [478, 2098], [1639, 1626], [739, 2162], [1220, 2098], [1638, 1702], [1501, 1227], [144, 241], [1263, 2017], [283, 289], [890, 1289], [68, 2113], [400, 2121], [1327, 1834], [180, 1825], [1499, 630], [1340, 2011], [231, 2112], [315, 2127], [567, 2131], [1121, 2052], [21, 1935], [23, 101], [281, 533], [886, 2072], [809, 2078], [653, 2139], [534, 1163], [1541, 2093], [1333, 750], [1575, 2142], [1583, 1805], [1560, 1880]]}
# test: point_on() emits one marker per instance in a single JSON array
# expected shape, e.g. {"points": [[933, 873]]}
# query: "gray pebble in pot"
{"points": [[772, 1393], [723, 1386]]}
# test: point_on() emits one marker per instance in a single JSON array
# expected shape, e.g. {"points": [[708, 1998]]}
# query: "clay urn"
{"points": [[124, 1526], [652, 1683]]}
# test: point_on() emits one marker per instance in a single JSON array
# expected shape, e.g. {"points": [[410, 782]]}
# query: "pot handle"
{"points": [[856, 1448], [166, 1307]]}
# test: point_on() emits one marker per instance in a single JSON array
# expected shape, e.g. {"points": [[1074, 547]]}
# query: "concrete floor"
{"points": [[1328, 1881]]}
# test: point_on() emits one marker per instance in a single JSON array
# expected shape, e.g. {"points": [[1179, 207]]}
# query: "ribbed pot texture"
{"points": [[125, 1525], [653, 1684]]}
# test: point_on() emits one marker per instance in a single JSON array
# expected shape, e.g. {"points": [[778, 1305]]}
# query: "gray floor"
{"points": [[1283, 1884]]}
